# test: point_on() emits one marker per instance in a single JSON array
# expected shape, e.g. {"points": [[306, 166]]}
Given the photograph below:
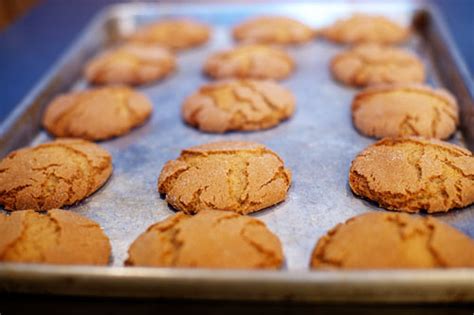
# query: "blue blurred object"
{"points": [[29, 47]]}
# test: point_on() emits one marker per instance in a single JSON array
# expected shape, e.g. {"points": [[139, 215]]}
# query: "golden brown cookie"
{"points": [[371, 64], [273, 30], [238, 105], [209, 239], [53, 174], [363, 28], [378, 240], [97, 114], [130, 64], [231, 176], [57, 237], [175, 34], [405, 110], [250, 61], [412, 174]]}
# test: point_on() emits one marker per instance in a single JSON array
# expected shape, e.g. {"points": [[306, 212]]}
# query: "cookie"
{"points": [[363, 28], [273, 30], [53, 174], [175, 34], [238, 105], [250, 61], [378, 240], [412, 174], [130, 64], [371, 64], [209, 239], [231, 176], [57, 237], [96, 114], [405, 110]]}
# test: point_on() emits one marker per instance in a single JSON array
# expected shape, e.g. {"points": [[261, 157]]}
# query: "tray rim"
{"points": [[318, 285], [386, 286]]}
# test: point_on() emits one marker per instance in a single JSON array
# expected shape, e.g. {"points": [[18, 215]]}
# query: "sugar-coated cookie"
{"points": [[250, 61], [372, 64], [405, 110], [97, 114], [363, 28], [273, 30], [130, 64], [209, 239], [56, 237], [175, 34], [377, 240], [53, 174], [238, 105], [412, 174], [230, 176]]}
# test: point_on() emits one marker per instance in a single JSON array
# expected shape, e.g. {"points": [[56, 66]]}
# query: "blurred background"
{"points": [[34, 33], [11, 10]]}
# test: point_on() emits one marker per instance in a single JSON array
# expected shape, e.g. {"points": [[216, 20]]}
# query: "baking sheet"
{"points": [[317, 144]]}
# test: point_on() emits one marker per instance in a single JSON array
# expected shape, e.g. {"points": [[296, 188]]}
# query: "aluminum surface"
{"points": [[318, 144]]}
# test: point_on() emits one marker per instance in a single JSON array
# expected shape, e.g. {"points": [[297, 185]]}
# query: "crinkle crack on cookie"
{"points": [[53, 174], [413, 174], [363, 28], [209, 239], [250, 61], [242, 177], [372, 64], [130, 64], [393, 240], [175, 34], [97, 114], [273, 30], [238, 105], [405, 110], [57, 237]]}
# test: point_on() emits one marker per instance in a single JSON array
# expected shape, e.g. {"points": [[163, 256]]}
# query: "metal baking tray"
{"points": [[317, 144]]}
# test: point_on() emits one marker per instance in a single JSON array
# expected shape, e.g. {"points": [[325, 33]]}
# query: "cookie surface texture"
{"points": [[273, 30], [53, 174], [378, 240], [412, 174], [209, 239], [363, 28], [372, 64], [405, 110], [238, 105], [97, 114], [250, 61], [57, 237], [130, 64], [242, 177], [175, 34]]}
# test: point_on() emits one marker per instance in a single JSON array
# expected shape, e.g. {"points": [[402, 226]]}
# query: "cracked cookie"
{"points": [[175, 34], [97, 114], [238, 105], [56, 237], [377, 240], [405, 110], [130, 64], [234, 176], [273, 30], [372, 64], [209, 239], [250, 61], [412, 174], [363, 28], [53, 174]]}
